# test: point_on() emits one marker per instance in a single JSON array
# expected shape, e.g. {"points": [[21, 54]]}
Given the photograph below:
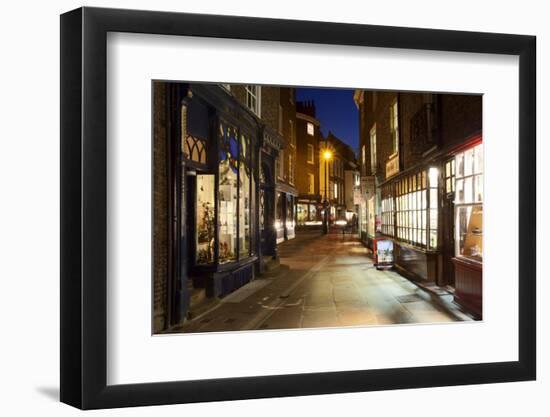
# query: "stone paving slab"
{"points": [[326, 281]]}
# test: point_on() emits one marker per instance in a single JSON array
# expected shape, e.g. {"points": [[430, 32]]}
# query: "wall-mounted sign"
{"points": [[392, 166], [368, 186]]}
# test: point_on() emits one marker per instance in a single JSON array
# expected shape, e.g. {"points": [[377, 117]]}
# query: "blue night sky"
{"points": [[336, 111]]}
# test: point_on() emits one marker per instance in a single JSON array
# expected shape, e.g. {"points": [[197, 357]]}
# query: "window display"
{"points": [[411, 203], [469, 220], [468, 204], [205, 220], [244, 198], [388, 210], [228, 177], [433, 176]]}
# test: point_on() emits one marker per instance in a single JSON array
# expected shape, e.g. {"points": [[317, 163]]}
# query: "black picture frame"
{"points": [[84, 207]]}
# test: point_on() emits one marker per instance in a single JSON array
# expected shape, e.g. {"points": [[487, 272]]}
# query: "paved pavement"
{"points": [[325, 281]]}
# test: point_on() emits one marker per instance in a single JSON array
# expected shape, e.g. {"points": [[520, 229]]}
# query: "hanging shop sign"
{"points": [[392, 166]]}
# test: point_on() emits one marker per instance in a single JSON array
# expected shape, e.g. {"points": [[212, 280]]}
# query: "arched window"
{"points": [[195, 149]]}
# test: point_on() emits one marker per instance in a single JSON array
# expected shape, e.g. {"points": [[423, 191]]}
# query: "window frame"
{"points": [[312, 160], [254, 98], [373, 155]]}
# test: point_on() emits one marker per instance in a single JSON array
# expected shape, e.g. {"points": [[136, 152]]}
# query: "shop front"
{"points": [[308, 213], [409, 214], [434, 215], [285, 221], [466, 171], [217, 197]]}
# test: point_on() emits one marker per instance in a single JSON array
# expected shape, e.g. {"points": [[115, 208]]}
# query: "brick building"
{"points": [[213, 193], [277, 108], [308, 155], [341, 165], [421, 164]]}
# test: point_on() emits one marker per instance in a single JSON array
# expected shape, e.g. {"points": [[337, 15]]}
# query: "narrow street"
{"points": [[324, 281]]}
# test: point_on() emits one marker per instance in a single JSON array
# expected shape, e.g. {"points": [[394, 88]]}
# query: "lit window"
{"points": [[469, 203], [373, 149], [413, 202], [394, 126], [310, 129]]}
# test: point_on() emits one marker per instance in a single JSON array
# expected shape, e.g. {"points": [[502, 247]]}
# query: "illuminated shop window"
{"points": [[205, 220], [469, 204], [433, 176], [388, 210], [244, 197], [450, 176], [227, 193], [411, 205]]}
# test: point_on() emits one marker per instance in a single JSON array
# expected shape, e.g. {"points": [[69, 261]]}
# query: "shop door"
{"points": [[267, 219]]}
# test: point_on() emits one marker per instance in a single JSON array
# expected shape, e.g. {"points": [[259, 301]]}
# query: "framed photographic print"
{"points": [[257, 208]]}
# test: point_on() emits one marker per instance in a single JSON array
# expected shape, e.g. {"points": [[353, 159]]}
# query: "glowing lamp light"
{"points": [[327, 155]]}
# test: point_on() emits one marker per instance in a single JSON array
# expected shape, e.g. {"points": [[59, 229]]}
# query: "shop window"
{"points": [[388, 210], [363, 217], [262, 209], [227, 193], [289, 212], [312, 212], [205, 220], [469, 203], [301, 213], [244, 197], [433, 176], [450, 176], [279, 211], [411, 207]]}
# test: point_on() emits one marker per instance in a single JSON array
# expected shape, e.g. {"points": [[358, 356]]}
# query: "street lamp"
{"points": [[327, 156]]}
